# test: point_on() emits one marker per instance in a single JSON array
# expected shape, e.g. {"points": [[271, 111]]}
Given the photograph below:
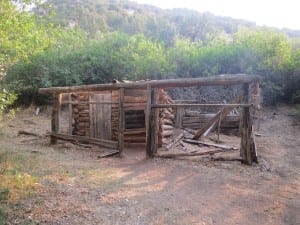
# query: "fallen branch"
{"points": [[225, 147], [106, 154], [24, 132]]}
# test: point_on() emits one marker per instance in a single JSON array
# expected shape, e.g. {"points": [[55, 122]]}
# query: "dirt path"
{"points": [[77, 188]]}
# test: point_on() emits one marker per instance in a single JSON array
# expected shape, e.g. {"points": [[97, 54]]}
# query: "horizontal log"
{"points": [[134, 132], [167, 127], [166, 133], [139, 99], [203, 118], [134, 106], [224, 79], [139, 139], [224, 125], [83, 119], [175, 155], [134, 125], [86, 103], [191, 105], [166, 121], [135, 93], [103, 143], [168, 116], [190, 141], [134, 116]]}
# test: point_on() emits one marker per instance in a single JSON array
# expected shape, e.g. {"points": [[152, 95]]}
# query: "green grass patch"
{"points": [[2, 216], [15, 182]]}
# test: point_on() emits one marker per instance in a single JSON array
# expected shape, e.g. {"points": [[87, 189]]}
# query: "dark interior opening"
{"points": [[134, 119]]}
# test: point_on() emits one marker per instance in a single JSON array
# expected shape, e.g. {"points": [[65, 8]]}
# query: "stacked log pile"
{"points": [[166, 119], [80, 114]]}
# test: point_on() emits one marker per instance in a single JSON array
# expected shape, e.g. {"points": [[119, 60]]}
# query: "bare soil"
{"points": [[75, 187]]}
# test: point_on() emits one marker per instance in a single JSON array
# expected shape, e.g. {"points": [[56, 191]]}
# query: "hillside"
{"points": [[98, 16]]}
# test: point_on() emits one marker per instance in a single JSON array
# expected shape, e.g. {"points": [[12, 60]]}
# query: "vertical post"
{"points": [[55, 117], [121, 121], [247, 147], [70, 114], [148, 123], [219, 126], [154, 122]]}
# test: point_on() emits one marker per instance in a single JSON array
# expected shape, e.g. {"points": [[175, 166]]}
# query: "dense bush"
{"points": [[55, 56]]}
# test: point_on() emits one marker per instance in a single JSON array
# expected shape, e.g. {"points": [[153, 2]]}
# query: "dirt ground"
{"points": [[75, 187]]}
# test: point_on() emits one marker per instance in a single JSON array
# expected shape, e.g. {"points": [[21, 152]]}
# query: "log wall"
{"points": [[80, 114]]}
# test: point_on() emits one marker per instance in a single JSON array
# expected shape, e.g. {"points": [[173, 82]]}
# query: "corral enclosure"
{"points": [[110, 115]]}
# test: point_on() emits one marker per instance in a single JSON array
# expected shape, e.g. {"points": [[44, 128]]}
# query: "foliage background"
{"points": [[61, 43]]}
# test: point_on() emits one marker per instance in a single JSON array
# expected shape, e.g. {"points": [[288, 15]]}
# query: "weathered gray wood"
{"points": [[167, 133], [224, 125], [148, 123], [107, 154], [167, 127], [224, 79], [100, 116], [84, 139], [24, 132], [175, 141], [70, 114], [219, 116], [247, 147], [209, 144], [203, 118], [179, 117], [55, 117], [176, 155], [154, 122], [121, 121], [191, 105]]}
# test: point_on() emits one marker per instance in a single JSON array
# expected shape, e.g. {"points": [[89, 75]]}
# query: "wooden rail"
{"points": [[224, 79], [193, 105], [84, 139]]}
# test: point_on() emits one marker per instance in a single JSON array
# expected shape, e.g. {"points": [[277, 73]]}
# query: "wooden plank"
{"points": [[138, 99], [121, 121], [193, 105], [155, 121], [84, 139], [219, 116], [107, 154], [139, 130], [179, 117], [91, 117], [100, 116], [203, 118], [148, 123], [70, 114], [224, 79], [224, 125], [176, 155], [209, 144], [247, 148], [177, 139], [55, 117]]}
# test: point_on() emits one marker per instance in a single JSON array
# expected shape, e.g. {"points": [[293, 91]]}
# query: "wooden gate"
{"points": [[100, 115]]}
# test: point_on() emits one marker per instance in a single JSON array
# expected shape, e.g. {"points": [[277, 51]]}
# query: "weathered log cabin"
{"points": [[110, 115]]}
